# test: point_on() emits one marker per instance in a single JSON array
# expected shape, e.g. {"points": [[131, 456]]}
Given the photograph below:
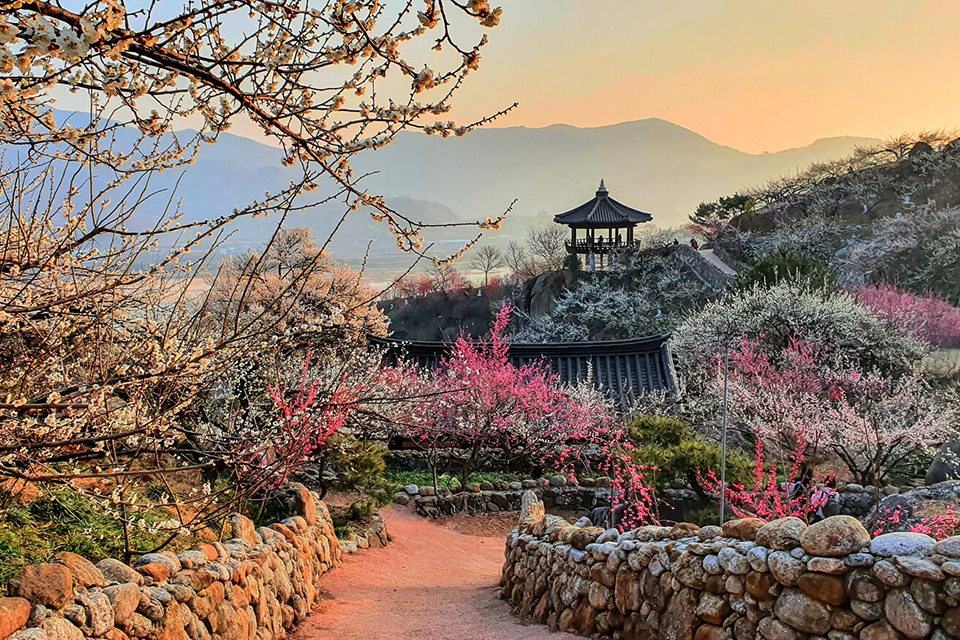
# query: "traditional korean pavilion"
{"points": [[599, 215]]}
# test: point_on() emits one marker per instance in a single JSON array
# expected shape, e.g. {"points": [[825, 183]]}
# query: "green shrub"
{"points": [[669, 445], [785, 266], [708, 515], [448, 481], [572, 263], [361, 467]]}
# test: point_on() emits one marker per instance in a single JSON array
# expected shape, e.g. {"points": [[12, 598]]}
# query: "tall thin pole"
{"points": [[723, 441]]}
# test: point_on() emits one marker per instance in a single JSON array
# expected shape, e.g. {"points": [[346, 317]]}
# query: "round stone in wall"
{"points": [[835, 537], [901, 543], [782, 534]]}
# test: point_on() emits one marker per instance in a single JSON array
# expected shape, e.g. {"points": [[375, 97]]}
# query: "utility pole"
{"points": [[723, 437]]}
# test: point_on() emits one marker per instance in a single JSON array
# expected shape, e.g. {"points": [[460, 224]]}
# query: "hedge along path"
{"points": [[429, 583]]}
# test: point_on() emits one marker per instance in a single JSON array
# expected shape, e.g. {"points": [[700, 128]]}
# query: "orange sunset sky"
{"points": [[755, 75]]}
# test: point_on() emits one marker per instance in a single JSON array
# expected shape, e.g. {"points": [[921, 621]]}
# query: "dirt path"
{"points": [[430, 583]]}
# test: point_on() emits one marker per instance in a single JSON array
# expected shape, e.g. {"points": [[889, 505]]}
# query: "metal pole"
{"points": [[723, 441]]}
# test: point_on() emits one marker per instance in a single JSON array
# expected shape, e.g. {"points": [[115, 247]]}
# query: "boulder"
{"points": [[300, 502], [919, 568], [825, 588], [906, 615], [880, 630], [85, 573], [713, 609], [742, 529], [34, 633], [677, 620], [48, 584], [709, 532], [733, 561], [785, 568], [156, 571], [951, 621], [238, 526], [862, 585], [781, 534], [949, 547], [115, 571], [826, 565], [802, 612], [758, 585], [772, 629], [98, 611], [14, 613], [835, 537], [901, 543], [61, 629], [124, 598], [531, 509], [627, 591], [712, 632]]}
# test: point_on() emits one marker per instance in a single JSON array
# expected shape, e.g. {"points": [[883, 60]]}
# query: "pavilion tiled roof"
{"points": [[624, 369], [602, 211]]}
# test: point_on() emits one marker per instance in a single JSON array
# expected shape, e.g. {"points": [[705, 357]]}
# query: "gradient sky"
{"points": [[755, 75]]}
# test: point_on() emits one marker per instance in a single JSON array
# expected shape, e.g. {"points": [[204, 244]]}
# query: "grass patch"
{"points": [[448, 481], [62, 520]]}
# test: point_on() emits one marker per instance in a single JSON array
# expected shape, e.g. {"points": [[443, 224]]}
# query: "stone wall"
{"points": [[590, 494], [503, 496], [781, 580], [258, 583], [371, 536]]}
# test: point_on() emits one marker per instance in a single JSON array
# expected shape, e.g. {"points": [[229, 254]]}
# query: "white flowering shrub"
{"points": [[645, 300], [900, 173], [816, 237], [129, 354], [845, 328], [302, 72]]}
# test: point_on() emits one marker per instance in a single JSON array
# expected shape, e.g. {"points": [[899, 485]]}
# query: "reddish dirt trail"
{"points": [[429, 583]]}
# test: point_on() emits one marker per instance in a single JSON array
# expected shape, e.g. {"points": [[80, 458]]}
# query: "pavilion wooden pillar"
{"points": [[573, 240]]}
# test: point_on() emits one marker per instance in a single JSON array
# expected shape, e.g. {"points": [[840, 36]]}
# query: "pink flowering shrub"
{"points": [[938, 527], [479, 404], [930, 318], [799, 408], [306, 418], [765, 497]]}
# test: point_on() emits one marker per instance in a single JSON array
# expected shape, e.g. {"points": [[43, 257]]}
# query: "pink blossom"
{"points": [[930, 318]]}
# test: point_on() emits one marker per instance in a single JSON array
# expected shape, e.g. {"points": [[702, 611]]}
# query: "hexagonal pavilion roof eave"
{"points": [[602, 212]]}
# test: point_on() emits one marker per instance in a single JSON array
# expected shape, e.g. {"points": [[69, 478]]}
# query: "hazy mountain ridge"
{"points": [[652, 164]]}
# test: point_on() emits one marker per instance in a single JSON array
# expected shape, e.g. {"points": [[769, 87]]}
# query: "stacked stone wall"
{"points": [[781, 580], [590, 494], [258, 583]]}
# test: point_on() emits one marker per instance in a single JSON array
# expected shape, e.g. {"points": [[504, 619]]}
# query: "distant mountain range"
{"points": [[651, 164]]}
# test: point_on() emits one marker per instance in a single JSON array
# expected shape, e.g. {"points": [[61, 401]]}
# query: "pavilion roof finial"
{"points": [[602, 191]]}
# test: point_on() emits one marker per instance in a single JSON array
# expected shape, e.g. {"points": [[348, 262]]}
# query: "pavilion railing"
{"points": [[584, 245]]}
